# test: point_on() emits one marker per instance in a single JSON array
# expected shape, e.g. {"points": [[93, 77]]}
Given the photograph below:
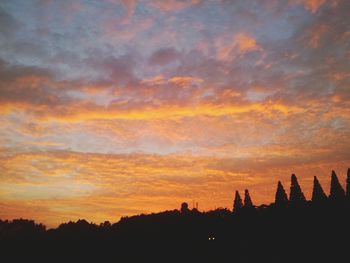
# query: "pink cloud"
{"points": [[173, 5], [164, 56], [116, 30], [239, 44], [316, 35], [130, 6], [314, 5]]}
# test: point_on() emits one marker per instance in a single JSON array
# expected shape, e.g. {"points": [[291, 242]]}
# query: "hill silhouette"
{"points": [[288, 230]]}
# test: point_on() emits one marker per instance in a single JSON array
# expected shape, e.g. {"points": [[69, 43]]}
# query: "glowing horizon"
{"points": [[114, 108]]}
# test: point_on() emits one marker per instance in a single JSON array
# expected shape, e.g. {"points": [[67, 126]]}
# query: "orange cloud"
{"points": [[181, 81], [246, 43], [240, 44], [156, 80], [314, 5], [79, 113], [185, 80], [338, 76], [311, 5]]}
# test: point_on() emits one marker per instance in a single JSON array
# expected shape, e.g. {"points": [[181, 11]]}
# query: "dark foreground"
{"points": [[307, 232], [289, 230]]}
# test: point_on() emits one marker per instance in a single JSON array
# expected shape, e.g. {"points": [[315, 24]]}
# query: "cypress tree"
{"points": [[296, 195], [281, 196], [247, 200], [318, 194], [337, 191], [237, 204]]}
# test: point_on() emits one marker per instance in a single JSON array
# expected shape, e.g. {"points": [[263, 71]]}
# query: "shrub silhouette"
{"points": [[337, 191], [281, 196], [296, 195], [247, 200], [237, 203], [318, 194]]}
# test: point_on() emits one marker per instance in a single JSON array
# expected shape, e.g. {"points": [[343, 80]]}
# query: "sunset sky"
{"points": [[114, 108]]}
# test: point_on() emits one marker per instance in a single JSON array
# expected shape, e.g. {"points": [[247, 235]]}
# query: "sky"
{"points": [[115, 108]]}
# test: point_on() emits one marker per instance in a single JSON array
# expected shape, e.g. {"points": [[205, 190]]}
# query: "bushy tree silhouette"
{"points": [[337, 192], [237, 204], [296, 195], [247, 200], [281, 196], [318, 194], [348, 184], [184, 208]]}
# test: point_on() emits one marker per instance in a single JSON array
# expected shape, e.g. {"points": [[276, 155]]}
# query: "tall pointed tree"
{"points": [[247, 200], [318, 194], [281, 196], [348, 184], [237, 204], [296, 195], [337, 191]]}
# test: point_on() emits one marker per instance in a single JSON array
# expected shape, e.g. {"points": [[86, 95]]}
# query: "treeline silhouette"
{"points": [[292, 229]]}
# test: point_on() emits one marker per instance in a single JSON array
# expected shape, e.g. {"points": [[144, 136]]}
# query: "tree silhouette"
{"points": [[237, 204], [318, 194], [184, 208], [296, 195], [281, 196], [247, 200], [337, 191], [348, 184]]}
